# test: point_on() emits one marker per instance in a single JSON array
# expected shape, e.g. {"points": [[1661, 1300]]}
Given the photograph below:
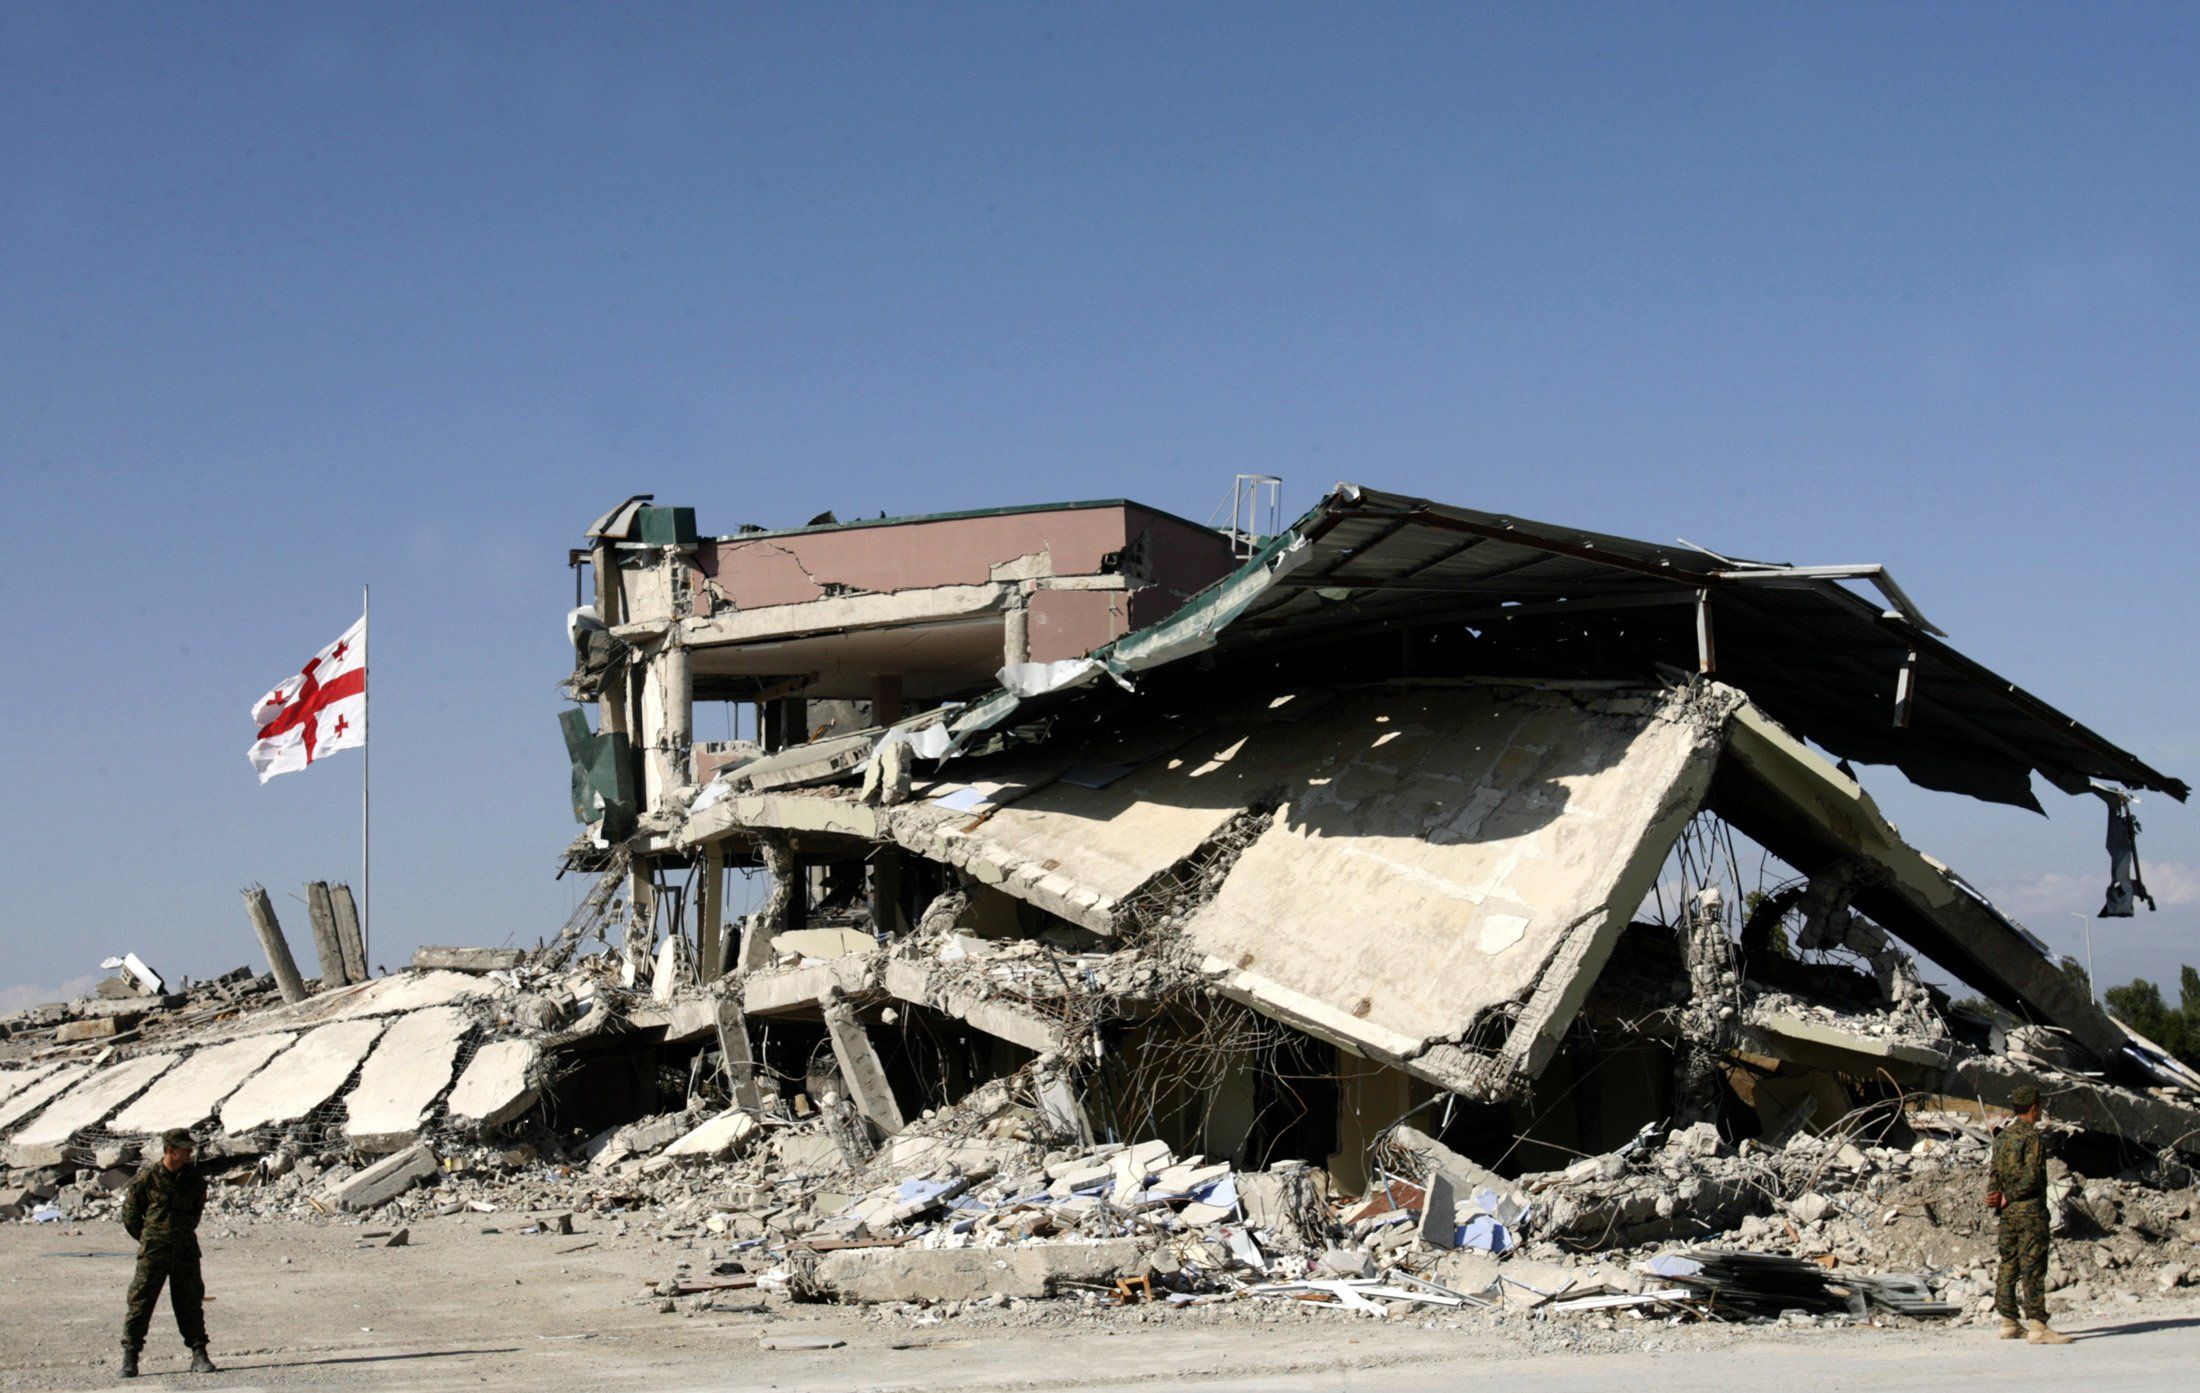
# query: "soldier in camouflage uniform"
{"points": [[2019, 1180], [161, 1211]]}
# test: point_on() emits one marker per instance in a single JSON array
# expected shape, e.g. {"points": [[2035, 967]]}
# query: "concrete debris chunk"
{"points": [[385, 1180], [433, 957], [972, 1274]]}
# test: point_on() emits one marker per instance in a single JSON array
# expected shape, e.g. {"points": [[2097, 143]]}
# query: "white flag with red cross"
{"points": [[320, 711]]}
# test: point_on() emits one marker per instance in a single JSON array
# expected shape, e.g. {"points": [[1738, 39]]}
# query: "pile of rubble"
{"points": [[983, 1205]]}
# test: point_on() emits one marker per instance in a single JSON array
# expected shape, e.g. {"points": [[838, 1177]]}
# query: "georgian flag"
{"points": [[320, 711]]}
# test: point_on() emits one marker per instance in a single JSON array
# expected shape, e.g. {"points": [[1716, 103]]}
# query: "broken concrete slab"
{"points": [[800, 989], [972, 1004], [414, 990], [30, 1097], [94, 1028], [90, 1102], [385, 1180], [301, 1078], [1466, 1176], [436, 956], [607, 1148], [497, 1084], [14, 1081], [721, 1136], [1510, 829], [410, 1066], [823, 943], [971, 1274], [189, 1093]]}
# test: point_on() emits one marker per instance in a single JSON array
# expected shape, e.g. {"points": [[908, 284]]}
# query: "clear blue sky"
{"points": [[296, 297]]}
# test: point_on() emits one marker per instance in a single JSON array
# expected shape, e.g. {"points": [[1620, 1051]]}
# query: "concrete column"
{"points": [[885, 872], [641, 929], [860, 1068], [676, 739], [756, 937], [325, 945], [1370, 1096], [734, 1053], [1230, 1110], [710, 942], [885, 698], [1016, 628], [611, 609], [348, 938], [274, 944]]}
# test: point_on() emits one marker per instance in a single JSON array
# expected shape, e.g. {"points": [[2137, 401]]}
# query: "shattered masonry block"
{"points": [[385, 1180]]}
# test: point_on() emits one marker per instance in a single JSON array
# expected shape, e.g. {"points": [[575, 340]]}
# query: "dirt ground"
{"points": [[298, 1305]]}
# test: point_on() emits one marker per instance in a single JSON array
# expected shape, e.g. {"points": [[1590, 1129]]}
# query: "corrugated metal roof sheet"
{"points": [[1819, 657]]}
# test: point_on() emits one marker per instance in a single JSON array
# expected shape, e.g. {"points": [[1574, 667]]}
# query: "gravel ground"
{"points": [[306, 1306]]}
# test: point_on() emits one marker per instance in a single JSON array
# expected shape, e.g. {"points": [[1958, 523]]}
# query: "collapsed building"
{"points": [[1411, 844]]}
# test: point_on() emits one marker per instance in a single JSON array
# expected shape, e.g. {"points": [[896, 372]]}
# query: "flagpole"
{"points": [[366, 845]]}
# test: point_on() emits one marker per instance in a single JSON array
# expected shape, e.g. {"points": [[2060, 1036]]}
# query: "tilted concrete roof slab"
{"points": [[1791, 799], [189, 1093], [302, 1077], [1456, 856]]}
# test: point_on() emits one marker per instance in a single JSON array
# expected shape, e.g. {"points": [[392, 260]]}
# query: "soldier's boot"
{"points": [[200, 1364], [2010, 1329], [2040, 1334], [129, 1362]]}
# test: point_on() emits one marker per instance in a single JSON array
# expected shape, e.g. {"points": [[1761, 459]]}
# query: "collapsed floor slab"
{"points": [[302, 1078], [497, 1084], [191, 1092], [30, 1097], [410, 1067], [14, 1081], [88, 1103]]}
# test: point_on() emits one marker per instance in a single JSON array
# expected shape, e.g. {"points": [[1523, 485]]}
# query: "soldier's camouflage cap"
{"points": [[2023, 1097], [176, 1136]]}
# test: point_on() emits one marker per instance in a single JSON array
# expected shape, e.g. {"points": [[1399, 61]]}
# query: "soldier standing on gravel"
{"points": [[2019, 1180], [162, 1213]]}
